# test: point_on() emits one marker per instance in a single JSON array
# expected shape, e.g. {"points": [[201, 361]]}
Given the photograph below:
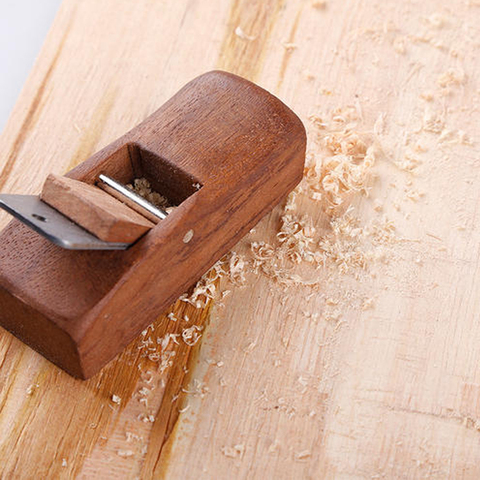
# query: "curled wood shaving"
{"points": [[296, 237], [192, 335], [142, 187], [231, 266], [241, 34]]}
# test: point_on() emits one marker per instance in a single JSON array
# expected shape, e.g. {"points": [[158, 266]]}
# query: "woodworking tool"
{"points": [[89, 264]]}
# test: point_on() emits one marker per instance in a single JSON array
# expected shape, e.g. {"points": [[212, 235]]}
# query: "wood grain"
{"points": [[391, 391], [94, 210]]}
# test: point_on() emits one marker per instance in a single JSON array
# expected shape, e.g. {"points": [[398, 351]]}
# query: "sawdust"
{"points": [[142, 187]]}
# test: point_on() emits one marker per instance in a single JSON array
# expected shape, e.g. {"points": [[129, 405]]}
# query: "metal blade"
{"points": [[54, 226], [132, 199]]}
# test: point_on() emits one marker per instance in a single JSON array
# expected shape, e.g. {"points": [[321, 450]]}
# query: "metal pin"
{"points": [[130, 198]]}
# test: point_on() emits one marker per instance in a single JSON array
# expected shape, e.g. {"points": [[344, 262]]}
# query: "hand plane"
{"points": [[87, 265]]}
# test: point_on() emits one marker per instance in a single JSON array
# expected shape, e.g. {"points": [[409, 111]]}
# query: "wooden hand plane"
{"points": [[81, 275]]}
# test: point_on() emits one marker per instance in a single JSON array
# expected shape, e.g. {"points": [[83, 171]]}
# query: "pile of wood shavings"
{"points": [[346, 158], [142, 187], [338, 166], [231, 266]]}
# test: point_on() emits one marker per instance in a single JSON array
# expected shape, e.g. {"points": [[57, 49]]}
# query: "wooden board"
{"points": [[369, 372]]}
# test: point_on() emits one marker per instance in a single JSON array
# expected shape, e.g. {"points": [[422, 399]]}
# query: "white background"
{"points": [[23, 27]]}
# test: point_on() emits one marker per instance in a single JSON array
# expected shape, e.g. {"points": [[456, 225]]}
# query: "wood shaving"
{"points": [[146, 418], [188, 236], [414, 195], [409, 163], [453, 137], [142, 187], [399, 45], [32, 388], [192, 335], [197, 389], [234, 452], [319, 4], [367, 304], [236, 269], [453, 76], [427, 96], [333, 317], [223, 382], [308, 75], [241, 34], [125, 453], [437, 20], [331, 301], [303, 454], [433, 121], [206, 288], [289, 47], [296, 237], [132, 437], [274, 447], [383, 232], [250, 347], [345, 247], [347, 160]]}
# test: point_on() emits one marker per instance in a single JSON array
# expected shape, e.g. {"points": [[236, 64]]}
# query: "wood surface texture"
{"points": [[93, 209], [370, 373]]}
